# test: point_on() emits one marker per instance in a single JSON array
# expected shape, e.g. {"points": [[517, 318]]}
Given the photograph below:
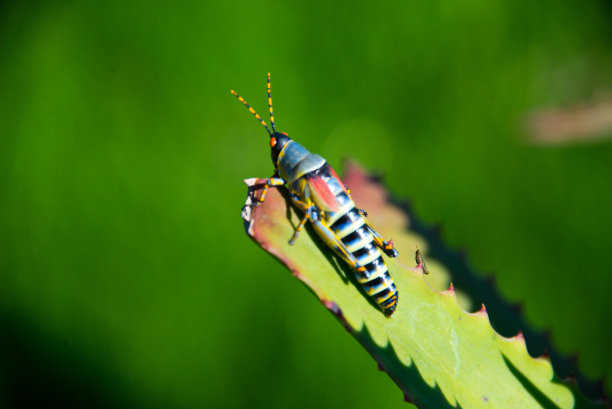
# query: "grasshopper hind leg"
{"points": [[386, 246]]}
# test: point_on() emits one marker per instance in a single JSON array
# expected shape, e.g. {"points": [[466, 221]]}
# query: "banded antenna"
{"points": [[270, 104], [255, 113]]}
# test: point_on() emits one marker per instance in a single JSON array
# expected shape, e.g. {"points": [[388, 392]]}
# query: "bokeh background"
{"points": [[126, 279]]}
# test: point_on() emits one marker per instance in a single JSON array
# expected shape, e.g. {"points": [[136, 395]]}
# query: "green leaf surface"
{"points": [[437, 353]]}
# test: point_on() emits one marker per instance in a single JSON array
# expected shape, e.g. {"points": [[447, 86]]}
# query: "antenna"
{"points": [[270, 104], [253, 111]]}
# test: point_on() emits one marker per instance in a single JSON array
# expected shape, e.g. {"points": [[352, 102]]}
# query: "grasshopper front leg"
{"points": [[272, 181]]}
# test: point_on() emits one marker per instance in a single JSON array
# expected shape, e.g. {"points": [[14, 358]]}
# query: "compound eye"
{"points": [[272, 142]]}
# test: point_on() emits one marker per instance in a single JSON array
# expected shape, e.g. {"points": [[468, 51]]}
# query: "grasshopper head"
{"points": [[278, 140]]}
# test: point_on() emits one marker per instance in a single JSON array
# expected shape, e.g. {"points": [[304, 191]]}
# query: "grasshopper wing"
{"points": [[321, 194]]}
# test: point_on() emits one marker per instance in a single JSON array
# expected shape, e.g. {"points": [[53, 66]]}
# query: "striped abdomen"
{"points": [[375, 280], [351, 229]]}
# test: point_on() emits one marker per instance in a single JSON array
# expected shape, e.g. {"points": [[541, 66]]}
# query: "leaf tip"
{"points": [[247, 209], [518, 338], [450, 290], [482, 311]]}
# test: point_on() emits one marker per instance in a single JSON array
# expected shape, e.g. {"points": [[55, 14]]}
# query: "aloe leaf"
{"points": [[437, 353]]}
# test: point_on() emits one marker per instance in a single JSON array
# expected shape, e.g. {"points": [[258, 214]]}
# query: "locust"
{"points": [[325, 202]]}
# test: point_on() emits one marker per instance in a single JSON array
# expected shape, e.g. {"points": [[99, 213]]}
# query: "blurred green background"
{"points": [[126, 278]]}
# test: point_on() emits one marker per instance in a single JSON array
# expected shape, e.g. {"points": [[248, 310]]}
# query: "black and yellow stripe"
{"points": [[350, 227]]}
